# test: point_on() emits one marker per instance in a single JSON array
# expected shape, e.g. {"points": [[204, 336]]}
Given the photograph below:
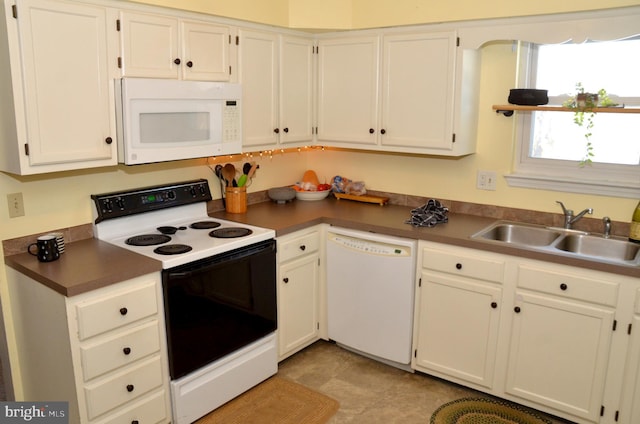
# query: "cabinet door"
{"points": [[457, 328], [630, 410], [149, 46], [558, 353], [348, 90], [69, 98], [205, 51], [298, 304], [259, 75], [418, 91], [296, 90]]}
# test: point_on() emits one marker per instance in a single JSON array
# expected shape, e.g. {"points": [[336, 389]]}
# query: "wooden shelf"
{"points": [[508, 110]]}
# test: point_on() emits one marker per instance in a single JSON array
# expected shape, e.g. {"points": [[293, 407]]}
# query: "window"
{"points": [[551, 145]]}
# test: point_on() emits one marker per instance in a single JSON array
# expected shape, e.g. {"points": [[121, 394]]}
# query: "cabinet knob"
{"points": [[176, 61], [126, 350], [494, 305], [286, 130], [108, 140], [189, 64], [563, 286], [517, 309], [371, 130], [383, 131], [277, 130], [458, 265], [130, 388], [285, 279], [303, 247], [123, 311], [135, 422]]}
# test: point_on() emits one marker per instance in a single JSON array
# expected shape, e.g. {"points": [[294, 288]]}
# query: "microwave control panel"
{"points": [[231, 121]]}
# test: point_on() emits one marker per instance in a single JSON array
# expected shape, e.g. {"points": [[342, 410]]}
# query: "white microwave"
{"points": [[163, 120]]}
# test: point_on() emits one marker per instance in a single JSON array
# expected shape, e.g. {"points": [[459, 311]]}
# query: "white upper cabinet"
{"points": [[57, 104], [276, 72], [417, 91], [348, 73], [158, 46], [402, 92]]}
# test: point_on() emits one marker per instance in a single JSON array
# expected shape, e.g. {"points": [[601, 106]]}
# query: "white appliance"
{"points": [[219, 344], [162, 120], [370, 294]]}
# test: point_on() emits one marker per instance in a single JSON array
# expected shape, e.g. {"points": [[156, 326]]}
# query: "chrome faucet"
{"points": [[569, 218], [607, 227]]}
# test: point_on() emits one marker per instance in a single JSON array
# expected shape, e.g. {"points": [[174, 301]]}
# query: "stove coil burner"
{"points": [[147, 240], [204, 225], [172, 249], [230, 232]]}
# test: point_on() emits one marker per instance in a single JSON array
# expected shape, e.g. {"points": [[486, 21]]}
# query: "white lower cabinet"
{"points": [[459, 297], [560, 339], [298, 291], [103, 351]]}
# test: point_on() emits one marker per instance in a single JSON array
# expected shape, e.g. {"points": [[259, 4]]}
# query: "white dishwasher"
{"points": [[370, 294]]}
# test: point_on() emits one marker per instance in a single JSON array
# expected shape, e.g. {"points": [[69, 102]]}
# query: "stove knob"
{"points": [[171, 195], [203, 190], [108, 205], [192, 190], [120, 202]]}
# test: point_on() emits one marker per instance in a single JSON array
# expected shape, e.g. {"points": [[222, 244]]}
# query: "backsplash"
{"points": [[592, 225]]}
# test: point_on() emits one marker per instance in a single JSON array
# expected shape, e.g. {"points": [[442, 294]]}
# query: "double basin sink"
{"points": [[561, 241]]}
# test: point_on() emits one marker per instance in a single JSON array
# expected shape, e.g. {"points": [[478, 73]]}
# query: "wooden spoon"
{"points": [[229, 174]]}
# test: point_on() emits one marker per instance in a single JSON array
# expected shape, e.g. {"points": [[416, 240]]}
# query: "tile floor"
{"points": [[368, 391]]}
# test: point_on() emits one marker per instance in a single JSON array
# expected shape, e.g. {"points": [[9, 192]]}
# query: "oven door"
{"points": [[217, 305]]}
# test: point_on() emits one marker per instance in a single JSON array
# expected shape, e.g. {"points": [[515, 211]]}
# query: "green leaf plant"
{"points": [[583, 104]]}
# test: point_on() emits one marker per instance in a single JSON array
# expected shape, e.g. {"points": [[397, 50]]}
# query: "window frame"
{"points": [[562, 175]]}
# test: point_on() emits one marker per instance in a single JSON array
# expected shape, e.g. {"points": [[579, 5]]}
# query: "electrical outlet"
{"points": [[486, 180], [16, 205]]}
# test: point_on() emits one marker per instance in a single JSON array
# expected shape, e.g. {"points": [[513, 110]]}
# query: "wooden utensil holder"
{"points": [[236, 199]]}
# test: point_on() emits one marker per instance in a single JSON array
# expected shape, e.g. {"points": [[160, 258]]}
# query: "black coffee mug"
{"points": [[47, 248]]}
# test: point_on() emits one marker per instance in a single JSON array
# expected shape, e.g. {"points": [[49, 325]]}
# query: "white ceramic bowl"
{"points": [[312, 195]]}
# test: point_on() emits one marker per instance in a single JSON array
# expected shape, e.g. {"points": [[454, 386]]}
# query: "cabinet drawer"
{"points": [[149, 410], [123, 387], [482, 268], [120, 350], [567, 285], [299, 246], [104, 314]]}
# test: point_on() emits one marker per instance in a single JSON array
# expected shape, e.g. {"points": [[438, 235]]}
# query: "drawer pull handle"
{"points": [[458, 265], [285, 279], [494, 305], [130, 388], [303, 247], [517, 309], [563, 286], [123, 311], [126, 350]]}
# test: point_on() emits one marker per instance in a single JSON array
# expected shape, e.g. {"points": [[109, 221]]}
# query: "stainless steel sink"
{"points": [[560, 241], [522, 234], [599, 247]]}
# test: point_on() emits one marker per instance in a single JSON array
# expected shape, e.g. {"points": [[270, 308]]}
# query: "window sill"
{"points": [[595, 187]]}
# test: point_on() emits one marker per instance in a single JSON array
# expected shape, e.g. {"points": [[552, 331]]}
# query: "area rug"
{"points": [[275, 401], [484, 411]]}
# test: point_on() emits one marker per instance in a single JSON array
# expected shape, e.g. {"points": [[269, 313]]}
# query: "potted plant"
{"points": [[584, 103]]}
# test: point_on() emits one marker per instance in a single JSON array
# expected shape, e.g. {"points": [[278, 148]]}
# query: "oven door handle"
{"points": [[181, 274]]}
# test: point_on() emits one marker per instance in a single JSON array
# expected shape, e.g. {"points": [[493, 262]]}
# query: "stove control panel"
{"points": [[118, 204]]}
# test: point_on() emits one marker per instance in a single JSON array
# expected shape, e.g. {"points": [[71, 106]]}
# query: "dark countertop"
{"points": [[91, 264], [390, 220], [85, 265]]}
